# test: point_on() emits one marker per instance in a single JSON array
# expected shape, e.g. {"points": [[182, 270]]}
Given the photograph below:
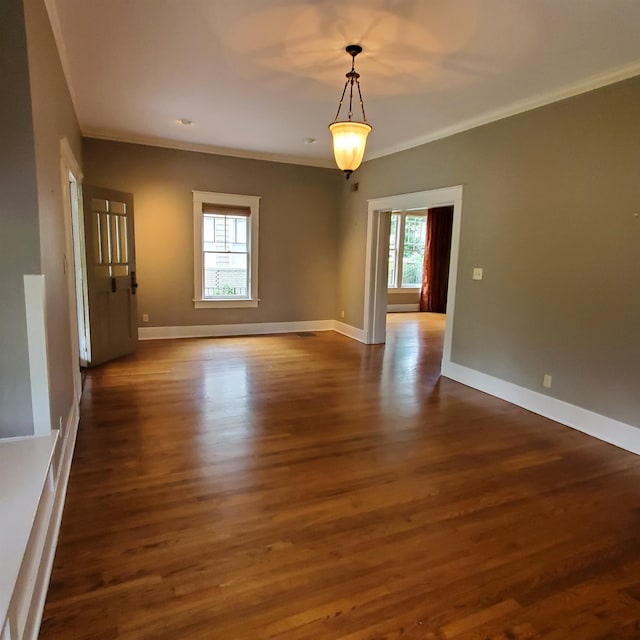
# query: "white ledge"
{"points": [[24, 469]]}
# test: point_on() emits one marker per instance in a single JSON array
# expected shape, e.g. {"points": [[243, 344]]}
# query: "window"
{"points": [[406, 249], [225, 235]]}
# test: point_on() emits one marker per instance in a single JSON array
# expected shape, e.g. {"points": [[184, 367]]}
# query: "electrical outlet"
{"points": [[546, 381], [477, 273], [342, 314], [145, 317]]}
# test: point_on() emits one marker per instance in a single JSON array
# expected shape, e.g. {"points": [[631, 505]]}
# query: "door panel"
{"points": [[111, 270]]}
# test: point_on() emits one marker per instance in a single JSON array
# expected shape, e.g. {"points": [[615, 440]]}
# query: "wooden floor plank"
{"points": [[288, 487]]}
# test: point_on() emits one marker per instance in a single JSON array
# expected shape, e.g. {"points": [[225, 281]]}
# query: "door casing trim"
{"points": [[377, 252]]}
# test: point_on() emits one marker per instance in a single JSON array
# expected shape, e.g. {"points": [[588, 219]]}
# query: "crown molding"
{"points": [[167, 143], [584, 86], [577, 88], [54, 21]]}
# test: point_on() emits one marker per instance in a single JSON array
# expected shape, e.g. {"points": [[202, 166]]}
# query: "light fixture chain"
{"points": [[341, 100], [364, 115], [351, 96], [350, 77]]}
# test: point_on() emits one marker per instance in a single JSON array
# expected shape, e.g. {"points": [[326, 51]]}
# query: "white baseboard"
{"points": [[222, 330], [43, 575], [612, 431], [402, 308], [253, 329], [349, 331]]}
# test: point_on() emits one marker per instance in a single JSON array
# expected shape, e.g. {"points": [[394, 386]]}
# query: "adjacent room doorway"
{"points": [[377, 257], [74, 263]]}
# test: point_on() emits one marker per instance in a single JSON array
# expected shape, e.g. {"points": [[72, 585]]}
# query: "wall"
{"points": [[19, 234], [548, 212], [403, 297], [53, 118], [299, 213]]}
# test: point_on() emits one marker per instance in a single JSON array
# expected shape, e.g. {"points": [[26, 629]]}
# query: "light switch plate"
{"points": [[477, 273]]}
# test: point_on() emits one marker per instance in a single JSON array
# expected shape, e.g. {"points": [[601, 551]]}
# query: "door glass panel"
{"points": [[113, 236], [118, 207], [98, 204], [102, 245], [97, 239], [124, 247], [105, 238], [110, 241]]}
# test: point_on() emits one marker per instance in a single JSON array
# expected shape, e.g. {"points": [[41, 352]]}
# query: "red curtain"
{"points": [[435, 272]]}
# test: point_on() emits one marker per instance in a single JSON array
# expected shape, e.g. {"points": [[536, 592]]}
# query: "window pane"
{"points": [[224, 233], [415, 230], [207, 229], [241, 231], [393, 252], [225, 275]]}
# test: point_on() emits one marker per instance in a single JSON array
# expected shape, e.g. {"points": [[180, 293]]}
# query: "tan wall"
{"points": [[548, 212], [299, 213], [53, 118], [19, 234], [403, 297]]}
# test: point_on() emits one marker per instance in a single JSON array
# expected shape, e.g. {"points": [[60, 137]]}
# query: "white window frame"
{"points": [[400, 247], [225, 199]]}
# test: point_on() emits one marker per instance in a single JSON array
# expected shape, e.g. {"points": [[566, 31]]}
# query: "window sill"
{"points": [[224, 304]]}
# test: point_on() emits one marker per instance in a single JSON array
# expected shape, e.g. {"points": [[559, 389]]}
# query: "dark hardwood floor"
{"points": [[309, 487]]}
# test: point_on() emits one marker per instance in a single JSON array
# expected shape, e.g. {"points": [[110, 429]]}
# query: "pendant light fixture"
{"points": [[350, 136]]}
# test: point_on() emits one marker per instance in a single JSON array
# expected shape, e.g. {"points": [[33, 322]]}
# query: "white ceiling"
{"points": [[259, 76]]}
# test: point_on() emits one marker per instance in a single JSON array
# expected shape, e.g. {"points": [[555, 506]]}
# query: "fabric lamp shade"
{"points": [[349, 141]]}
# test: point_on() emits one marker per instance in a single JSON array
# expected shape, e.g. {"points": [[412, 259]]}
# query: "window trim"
{"points": [[400, 248], [225, 199]]}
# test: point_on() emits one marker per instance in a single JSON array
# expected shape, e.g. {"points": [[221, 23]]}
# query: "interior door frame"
{"points": [[74, 262], [377, 257]]}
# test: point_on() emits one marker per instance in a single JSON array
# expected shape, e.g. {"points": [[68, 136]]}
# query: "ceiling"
{"points": [[258, 77]]}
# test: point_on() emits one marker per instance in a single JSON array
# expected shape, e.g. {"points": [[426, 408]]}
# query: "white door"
{"points": [[111, 273]]}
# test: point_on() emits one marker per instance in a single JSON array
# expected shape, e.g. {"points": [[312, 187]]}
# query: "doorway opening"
{"points": [[378, 257], [75, 264], [79, 269]]}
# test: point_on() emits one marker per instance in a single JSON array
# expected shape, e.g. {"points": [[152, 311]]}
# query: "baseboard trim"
{"points": [[617, 433], [349, 331], [402, 308], [43, 575], [224, 330]]}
